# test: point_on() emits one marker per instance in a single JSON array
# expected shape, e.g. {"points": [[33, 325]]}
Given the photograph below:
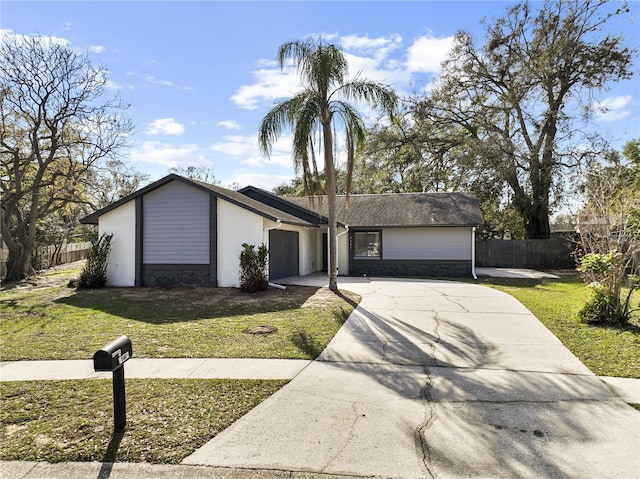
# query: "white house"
{"points": [[179, 231]]}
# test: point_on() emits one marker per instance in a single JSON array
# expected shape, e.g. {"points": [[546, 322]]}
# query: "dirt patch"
{"points": [[12, 430], [47, 278], [264, 329]]}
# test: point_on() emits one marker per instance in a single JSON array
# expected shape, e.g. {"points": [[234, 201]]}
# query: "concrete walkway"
{"points": [[425, 379], [156, 368]]}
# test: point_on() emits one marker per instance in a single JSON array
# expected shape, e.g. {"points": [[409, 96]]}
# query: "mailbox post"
{"points": [[112, 358]]}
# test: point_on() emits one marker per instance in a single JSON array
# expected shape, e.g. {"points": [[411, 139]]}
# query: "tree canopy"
{"points": [[518, 98], [56, 124]]}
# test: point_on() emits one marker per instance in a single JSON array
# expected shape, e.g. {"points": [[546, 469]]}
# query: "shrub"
{"points": [[253, 268], [607, 273], [94, 273]]}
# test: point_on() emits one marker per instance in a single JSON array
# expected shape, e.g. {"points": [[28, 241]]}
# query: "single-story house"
{"points": [[182, 231]]}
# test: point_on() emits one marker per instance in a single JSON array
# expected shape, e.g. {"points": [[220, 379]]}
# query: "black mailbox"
{"points": [[112, 358], [113, 355]]}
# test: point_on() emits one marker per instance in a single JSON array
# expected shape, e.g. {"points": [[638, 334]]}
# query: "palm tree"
{"points": [[322, 105]]}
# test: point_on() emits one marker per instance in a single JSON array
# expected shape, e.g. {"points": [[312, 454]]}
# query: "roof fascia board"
{"points": [[93, 217]]}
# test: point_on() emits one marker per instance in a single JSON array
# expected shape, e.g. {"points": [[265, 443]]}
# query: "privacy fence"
{"points": [[555, 253], [50, 255]]}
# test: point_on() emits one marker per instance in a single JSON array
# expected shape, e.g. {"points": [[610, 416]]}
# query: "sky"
{"points": [[201, 75]]}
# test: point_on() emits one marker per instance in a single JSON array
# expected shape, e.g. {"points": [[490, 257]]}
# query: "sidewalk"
{"points": [[157, 368], [626, 389]]}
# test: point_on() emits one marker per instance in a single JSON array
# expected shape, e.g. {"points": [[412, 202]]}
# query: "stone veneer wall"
{"points": [[176, 275], [439, 268]]}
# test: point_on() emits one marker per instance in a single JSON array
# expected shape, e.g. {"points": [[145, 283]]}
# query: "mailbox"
{"points": [[111, 358], [113, 355]]}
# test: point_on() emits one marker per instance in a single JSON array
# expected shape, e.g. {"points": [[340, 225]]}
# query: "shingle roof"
{"points": [[234, 197], [402, 209]]}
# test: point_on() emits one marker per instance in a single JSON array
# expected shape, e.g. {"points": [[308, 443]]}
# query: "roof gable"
{"points": [[284, 204], [231, 196]]}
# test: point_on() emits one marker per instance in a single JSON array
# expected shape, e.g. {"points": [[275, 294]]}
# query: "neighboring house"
{"points": [[181, 231]]}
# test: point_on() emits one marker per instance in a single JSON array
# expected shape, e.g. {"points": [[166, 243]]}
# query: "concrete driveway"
{"points": [[435, 379]]}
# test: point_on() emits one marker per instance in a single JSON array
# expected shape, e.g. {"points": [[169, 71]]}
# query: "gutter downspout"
{"points": [[473, 252], [337, 249]]}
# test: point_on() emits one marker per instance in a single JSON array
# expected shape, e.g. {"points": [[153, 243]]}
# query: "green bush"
{"points": [[253, 268], [607, 273], [94, 273], [604, 306]]}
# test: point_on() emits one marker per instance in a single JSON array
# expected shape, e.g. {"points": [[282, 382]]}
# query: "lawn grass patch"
{"points": [[167, 419], [169, 322], [606, 350]]}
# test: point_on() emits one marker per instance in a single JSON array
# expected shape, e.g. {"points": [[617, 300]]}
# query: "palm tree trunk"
{"points": [[331, 198]]}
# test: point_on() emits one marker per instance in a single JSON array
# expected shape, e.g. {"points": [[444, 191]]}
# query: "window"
{"points": [[366, 244]]}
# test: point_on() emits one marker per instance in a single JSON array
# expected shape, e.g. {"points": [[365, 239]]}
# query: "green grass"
{"points": [[167, 420], [606, 350], [62, 323]]}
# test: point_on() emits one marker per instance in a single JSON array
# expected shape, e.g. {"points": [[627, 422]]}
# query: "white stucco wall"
{"points": [[235, 226], [446, 243], [121, 222], [308, 261]]}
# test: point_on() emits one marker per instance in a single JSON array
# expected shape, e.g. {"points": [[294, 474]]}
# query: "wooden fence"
{"points": [[553, 253], [50, 255]]}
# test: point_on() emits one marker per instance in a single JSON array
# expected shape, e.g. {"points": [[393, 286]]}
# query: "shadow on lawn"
{"points": [[170, 305]]}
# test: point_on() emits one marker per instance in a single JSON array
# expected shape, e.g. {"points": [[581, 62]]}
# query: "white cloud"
{"points": [[51, 40], [111, 85], [229, 124], [270, 84], [152, 79], [427, 53], [248, 152], [613, 108], [373, 58], [165, 126], [236, 145], [168, 155], [266, 182], [97, 49]]}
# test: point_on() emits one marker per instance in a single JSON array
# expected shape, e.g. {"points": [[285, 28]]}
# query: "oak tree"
{"points": [[56, 123]]}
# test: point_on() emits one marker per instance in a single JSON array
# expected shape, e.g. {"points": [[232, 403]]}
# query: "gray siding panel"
{"points": [[428, 243], [176, 225]]}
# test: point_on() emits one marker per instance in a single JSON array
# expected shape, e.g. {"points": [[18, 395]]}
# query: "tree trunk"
{"points": [[536, 222], [19, 265], [331, 198]]}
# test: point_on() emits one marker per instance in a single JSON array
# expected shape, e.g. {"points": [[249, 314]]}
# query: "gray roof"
{"points": [[401, 209], [231, 196]]}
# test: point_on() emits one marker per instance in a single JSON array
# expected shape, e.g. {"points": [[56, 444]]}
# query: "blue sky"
{"points": [[201, 75]]}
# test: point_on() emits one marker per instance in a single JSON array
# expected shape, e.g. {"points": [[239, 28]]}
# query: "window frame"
{"points": [[377, 232]]}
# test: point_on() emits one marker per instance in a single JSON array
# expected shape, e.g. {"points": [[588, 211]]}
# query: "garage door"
{"points": [[283, 254]]}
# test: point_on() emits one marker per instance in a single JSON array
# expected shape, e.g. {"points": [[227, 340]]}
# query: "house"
{"points": [[182, 231]]}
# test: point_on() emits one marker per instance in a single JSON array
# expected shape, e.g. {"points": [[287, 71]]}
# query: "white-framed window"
{"points": [[367, 244]]}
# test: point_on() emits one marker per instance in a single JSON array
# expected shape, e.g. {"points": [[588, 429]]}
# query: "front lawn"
{"points": [[167, 419], [56, 322], [606, 350]]}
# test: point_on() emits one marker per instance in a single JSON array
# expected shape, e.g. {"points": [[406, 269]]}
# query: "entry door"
{"points": [[283, 254]]}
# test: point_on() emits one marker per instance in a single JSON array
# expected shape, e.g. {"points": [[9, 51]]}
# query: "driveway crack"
{"points": [[352, 427], [421, 442]]}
